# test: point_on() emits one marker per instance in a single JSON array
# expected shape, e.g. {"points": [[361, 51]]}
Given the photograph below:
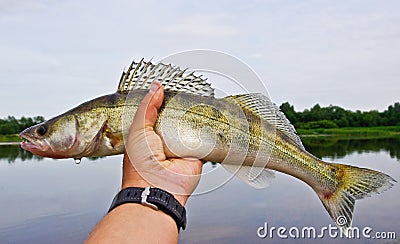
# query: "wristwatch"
{"points": [[154, 198]]}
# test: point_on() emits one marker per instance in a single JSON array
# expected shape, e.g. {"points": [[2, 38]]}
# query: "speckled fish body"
{"points": [[246, 133]]}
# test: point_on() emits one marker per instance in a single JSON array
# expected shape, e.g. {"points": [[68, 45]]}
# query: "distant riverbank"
{"points": [[353, 132], [9, 138]]}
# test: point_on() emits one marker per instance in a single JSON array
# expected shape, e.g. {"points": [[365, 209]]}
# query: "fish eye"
{"points": [[41, 130]]}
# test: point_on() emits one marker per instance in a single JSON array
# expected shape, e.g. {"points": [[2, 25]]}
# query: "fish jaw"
{"points": [[36, 145], [33, 144]]}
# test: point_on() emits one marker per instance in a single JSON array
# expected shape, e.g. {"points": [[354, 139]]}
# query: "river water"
{"points": [[58, 201]]}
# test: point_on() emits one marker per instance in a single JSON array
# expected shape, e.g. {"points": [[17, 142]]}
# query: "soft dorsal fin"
{"points": [[140, 75], [266, 109]]}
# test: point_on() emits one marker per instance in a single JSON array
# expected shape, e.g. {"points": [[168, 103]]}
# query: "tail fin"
{"points": [[354, 183]]}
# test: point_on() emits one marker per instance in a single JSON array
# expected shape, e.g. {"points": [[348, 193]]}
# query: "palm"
{"points": [[145, 162], [176, 175]]}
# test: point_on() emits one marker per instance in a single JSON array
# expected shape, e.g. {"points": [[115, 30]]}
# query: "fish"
{"points": [[246, 133]]}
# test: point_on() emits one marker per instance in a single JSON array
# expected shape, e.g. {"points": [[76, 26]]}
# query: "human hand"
{"points": [[145, 162]]}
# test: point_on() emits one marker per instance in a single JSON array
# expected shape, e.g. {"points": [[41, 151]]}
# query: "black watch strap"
{"points": [[155, 198]]}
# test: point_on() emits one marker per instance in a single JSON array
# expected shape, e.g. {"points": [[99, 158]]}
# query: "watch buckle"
{"points": [[145, 194]]}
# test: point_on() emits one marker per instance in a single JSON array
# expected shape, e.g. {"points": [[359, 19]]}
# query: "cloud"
{"points": [[33, 61], [203, 25], [256, 55], [15, 6], [305, 52]]}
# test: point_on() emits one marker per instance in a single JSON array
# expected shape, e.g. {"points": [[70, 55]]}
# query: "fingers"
{"points": [[146, 114], [196, 165]]}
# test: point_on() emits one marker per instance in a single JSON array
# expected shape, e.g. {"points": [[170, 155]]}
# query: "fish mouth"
{"points": [[30, 143], [38, 146]]}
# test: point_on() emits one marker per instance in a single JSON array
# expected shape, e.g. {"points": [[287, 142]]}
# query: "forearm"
{"points": [[136, 223], [133, 222]]}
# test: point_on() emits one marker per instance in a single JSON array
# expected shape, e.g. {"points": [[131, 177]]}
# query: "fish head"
{"points": [[55, 138], [80, 132]]}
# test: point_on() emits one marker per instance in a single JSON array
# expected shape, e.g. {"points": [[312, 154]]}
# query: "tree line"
{"points": [[12, 125], [336, 117]]}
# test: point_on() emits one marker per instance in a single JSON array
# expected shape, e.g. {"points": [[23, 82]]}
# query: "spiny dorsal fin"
{"points": [[140, 75], [266, 109]]}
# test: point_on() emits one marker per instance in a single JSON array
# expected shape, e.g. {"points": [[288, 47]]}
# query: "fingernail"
{"points": [[153, 88]]}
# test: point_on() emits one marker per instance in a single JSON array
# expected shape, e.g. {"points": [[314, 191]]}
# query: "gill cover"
{"points": [[62, 133]]}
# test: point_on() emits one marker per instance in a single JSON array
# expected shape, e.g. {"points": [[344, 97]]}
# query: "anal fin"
{"points": [[255, 178]]}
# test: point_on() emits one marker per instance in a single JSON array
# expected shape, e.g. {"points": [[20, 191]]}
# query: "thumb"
{"points": [[146, 114]]}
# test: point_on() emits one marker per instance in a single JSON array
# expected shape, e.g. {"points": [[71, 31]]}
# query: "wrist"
{"points": [[153, 198], [182, 199], [131, 178]]}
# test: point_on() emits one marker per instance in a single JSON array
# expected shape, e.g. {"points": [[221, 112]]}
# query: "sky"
{"points": [[55, 55]]}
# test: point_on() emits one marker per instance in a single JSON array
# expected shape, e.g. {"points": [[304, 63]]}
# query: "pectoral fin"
{"points": [[114, 139]]}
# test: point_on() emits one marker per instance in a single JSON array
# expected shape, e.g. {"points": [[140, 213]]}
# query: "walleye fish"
{"points": [[247, 134]]}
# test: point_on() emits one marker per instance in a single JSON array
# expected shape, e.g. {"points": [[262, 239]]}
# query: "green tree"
{"points": [[393, 114], [289, 111], [340, 117], [11, 125]]}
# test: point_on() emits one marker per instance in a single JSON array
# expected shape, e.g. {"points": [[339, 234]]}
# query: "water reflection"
{"points": [[64, 201], [11, 153], [319, 146], [339, 148]]}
